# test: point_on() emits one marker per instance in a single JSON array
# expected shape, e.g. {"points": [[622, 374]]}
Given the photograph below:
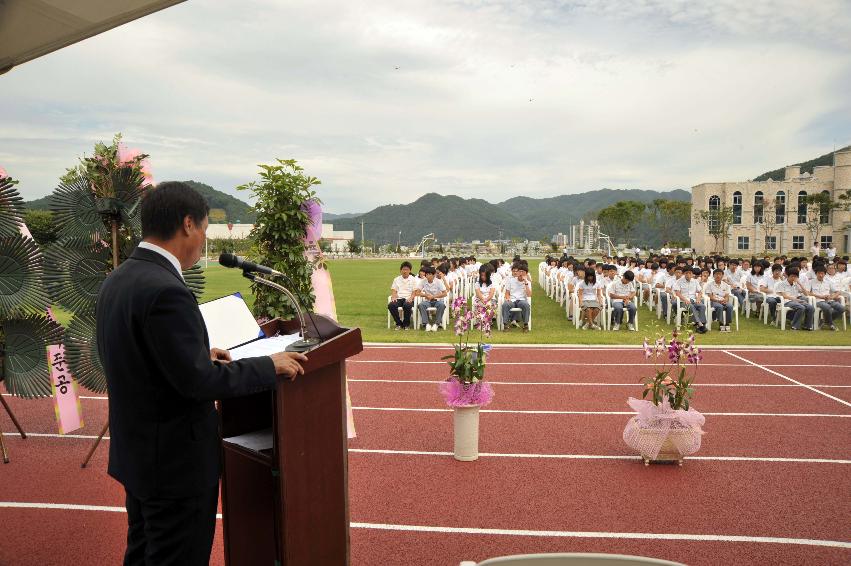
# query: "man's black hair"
{"points": [[166, 206], [792, 271], [428, 270], [406, 264], [820, 268], [629, 275], [721, 271], [776, 267]]}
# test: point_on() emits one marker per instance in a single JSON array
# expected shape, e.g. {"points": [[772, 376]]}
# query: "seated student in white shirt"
{"points": [[827, 297], [688, 292], [485, 288], [590, 299], [796, 299], [660, 280], [402, 295], [432, 291], [622, 295], [720, 299], [733, 276], [769, 287], [753, 281], [518, 290]]}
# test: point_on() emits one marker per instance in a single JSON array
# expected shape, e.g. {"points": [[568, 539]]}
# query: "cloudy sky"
{"points": [[386, 100]]}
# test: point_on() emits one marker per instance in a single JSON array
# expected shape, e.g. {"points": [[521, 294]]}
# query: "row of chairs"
{"points": [[464, 287], [559, 292]]}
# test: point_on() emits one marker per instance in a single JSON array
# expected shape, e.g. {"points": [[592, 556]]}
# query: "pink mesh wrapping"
{"points": [[648, 430], [457, 394]]}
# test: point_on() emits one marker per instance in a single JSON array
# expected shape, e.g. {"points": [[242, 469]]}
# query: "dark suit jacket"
{"points": [[164, 437]]}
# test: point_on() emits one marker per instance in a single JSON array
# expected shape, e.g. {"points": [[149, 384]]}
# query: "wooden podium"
{"points": [[285, 460]]}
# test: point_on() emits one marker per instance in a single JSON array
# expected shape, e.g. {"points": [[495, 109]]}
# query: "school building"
{"points": [[771, 217]]}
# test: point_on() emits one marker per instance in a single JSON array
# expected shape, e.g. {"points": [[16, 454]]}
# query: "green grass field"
{"points": [[361, 288]]}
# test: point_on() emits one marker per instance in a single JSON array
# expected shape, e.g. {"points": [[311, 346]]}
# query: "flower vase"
{"points": [[677, 443], [466, 427]]}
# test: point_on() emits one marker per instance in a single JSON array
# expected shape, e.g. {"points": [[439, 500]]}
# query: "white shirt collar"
{"points": [[165, 253]]}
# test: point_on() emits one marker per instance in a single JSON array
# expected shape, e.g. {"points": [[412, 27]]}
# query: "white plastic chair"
{"points": [[610, 311], [817, 312], [572, 559]]}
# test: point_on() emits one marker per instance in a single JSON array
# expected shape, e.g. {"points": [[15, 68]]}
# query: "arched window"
{"points": [[780, 208], [737, 207], [802, 207], [714, 207], [824, 208], [758, 207]]}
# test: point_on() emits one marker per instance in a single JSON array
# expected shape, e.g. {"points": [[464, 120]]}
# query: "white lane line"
{"points": [[604, 456], [587, 383], [544, 412], [614, 364], [597, 347], [810, 387], [494, 532], [603, 534]]}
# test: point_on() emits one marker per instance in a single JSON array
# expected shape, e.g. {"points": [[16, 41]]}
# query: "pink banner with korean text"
{"points": [[66, 399]]}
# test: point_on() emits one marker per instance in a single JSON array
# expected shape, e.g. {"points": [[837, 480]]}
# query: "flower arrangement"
{"points": [[465, 385], [667, 422], [667, 358]]}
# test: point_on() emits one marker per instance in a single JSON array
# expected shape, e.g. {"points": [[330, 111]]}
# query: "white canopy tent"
{"points": [[32, 28]]}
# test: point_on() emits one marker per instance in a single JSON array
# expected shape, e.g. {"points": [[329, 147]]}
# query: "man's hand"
{"points": [[219, 355], [287, 364]]}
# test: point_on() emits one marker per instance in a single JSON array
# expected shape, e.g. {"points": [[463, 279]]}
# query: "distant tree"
{"points": [[819, 207], [41, 226], [844, 200], [553, 246], [718, 221], [354, 247], [769, 220], [665, 215], [325, 245], [619, 219]]}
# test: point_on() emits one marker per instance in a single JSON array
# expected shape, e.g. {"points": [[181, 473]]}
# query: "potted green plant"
{"points": [[465, 390], [666, 428]]}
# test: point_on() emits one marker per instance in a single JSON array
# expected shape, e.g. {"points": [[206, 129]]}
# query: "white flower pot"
{"points": [[466, 425]]}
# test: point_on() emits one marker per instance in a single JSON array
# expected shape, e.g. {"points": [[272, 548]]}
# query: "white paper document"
{"points": [[264, 346], [229, 322], [257, 440]]}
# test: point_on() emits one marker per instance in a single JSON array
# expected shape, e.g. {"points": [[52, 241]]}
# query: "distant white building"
{"points": [[339, 240], [238, 231]]}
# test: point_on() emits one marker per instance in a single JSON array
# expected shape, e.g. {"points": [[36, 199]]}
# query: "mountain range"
{"points": [[453, 218]]}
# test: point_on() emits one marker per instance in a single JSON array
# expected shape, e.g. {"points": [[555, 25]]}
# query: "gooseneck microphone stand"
{"points": [[305, 343]]}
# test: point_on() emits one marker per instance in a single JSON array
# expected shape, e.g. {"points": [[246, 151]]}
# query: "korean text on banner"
{"points": [[66, 400]]}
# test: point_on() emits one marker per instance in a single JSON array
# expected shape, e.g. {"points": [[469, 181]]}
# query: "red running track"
{"points": [[546, 482]]}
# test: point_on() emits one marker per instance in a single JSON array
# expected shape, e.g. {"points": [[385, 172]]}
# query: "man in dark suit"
{"points": [[163, 380]]}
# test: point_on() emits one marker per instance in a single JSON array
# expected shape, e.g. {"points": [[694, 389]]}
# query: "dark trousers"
{"points": [[407, 309], [617, 311], [720, 309], [175, 532]]}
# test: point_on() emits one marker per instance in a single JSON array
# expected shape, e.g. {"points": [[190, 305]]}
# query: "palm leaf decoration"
{"points": [[73, 273], [21, 287], [194, 277], [81, 352], [75, 212], [11, 207], [25, 355]]}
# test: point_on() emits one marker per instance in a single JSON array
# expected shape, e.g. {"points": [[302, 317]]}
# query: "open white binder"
{"points": [[231, 326]]}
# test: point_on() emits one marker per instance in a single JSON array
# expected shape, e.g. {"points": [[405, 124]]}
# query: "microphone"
{"points": [[230, 260]]}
